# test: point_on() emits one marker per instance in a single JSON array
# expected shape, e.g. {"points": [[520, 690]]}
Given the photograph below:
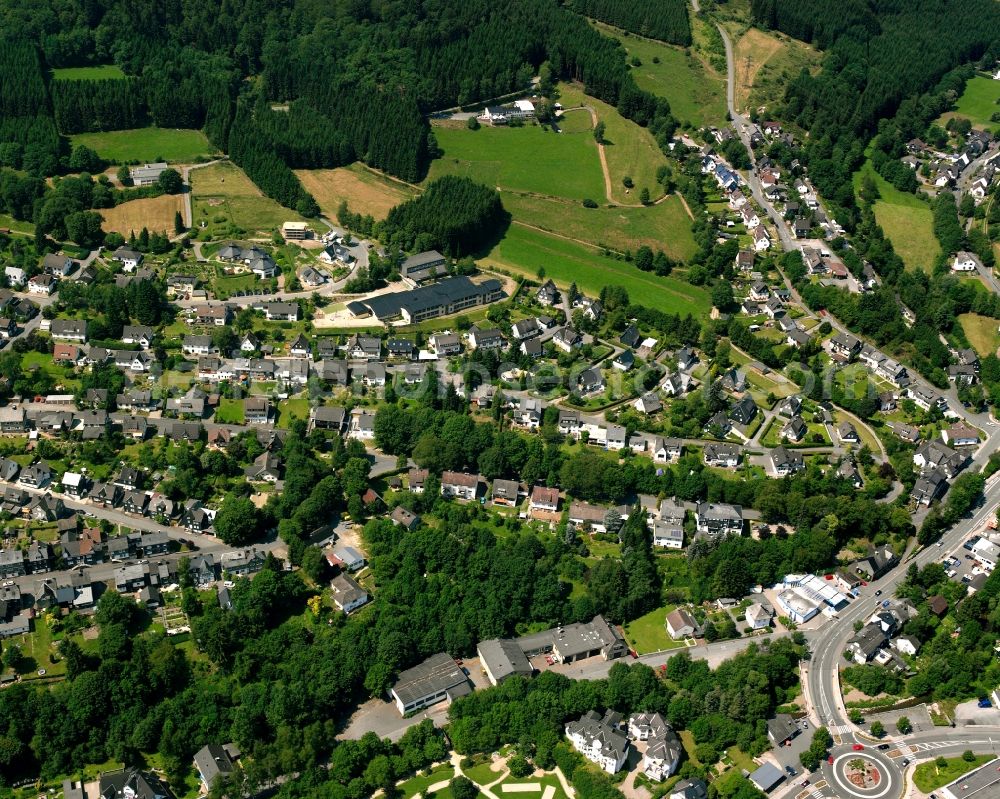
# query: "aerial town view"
{"points": [[545, 399]]}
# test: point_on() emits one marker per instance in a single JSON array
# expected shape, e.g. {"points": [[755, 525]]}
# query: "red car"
{"points": [[830, 760], [857, 748]]}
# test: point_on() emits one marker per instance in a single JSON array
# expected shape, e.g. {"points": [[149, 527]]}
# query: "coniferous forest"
{"points": [[666, 20], [223, 66]]}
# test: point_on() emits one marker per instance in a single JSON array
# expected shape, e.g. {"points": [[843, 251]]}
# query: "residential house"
{"points": [[485, 338], [242, 562], [663, 747], [718, 519], [197, 345], [845, 347], [681, 624], [525, 329], [566, 339], [281, 311], [966, 262], [600, 740], [960, 435], [544, 499], [861, 648], [212, 762], [69, 330], [327, 418], [347, 594], [42, 284], [722, 455], [460, 485], [407, 519], [547, 293], [446, 343], [256, 410], [362, 425], [847, 434], [785, 462], [416, 479], [590, 381], [935, 455]]}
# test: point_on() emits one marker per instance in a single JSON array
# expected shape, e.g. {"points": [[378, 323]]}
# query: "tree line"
{"points": [[666, 20]]}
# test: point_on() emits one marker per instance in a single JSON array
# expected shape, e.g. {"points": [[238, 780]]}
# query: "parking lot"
{"points": [[960, 565]]}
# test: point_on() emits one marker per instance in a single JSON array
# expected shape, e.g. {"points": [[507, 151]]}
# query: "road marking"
{"points": [[839, 729]]}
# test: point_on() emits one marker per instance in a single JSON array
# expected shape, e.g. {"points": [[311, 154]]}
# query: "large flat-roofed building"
{"points": [[982, 783], [423, 267], [502, 659], [295, 231], [147, 174], [438, 299], [436, 679]]}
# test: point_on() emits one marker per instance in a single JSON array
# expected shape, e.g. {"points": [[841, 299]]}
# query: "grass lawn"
{"points": [[687, 740], [224, 285], [630, 149], [483, 774], [7, 221], [695, 91], [649, 633], [103, 72], [224, 196], [907, 221], [982, 332], [529, 158], [977, 103], [664, 226], [147, 144], [37, 650], [366, 191], [230, 411], [766, 62], [421, 782], [289, 409], [927, 777], [524, 250], [156, 214]]}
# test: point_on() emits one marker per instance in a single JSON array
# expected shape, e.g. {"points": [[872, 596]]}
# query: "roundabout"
{"points": [[866, 774]]}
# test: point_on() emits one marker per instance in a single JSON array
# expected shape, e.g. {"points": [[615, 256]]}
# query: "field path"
{"points": [[603, 157], [607, 172], [185, 176]]}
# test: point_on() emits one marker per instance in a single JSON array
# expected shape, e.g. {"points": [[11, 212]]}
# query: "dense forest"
{"points": [[666, 20], [455, 215], [344, 103]]}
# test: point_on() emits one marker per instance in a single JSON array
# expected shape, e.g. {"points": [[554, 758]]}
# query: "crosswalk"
{"points": [[839, 729]]}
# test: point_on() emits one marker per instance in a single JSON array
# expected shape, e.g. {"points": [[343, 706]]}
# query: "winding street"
{"points": [[820, 675]]}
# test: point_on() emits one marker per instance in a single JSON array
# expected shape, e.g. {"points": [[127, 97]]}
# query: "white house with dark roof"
{"points": [[600, 740]]}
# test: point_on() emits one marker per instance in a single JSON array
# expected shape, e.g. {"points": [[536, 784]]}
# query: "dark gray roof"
{"points": [[503, 658], [437, 674], [211, 761], [425, 297]]}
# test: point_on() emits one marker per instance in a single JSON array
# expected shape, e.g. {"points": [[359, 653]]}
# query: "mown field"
{"points": [[147, 145], [224, 195], [765, 63], [630, 149], [102, 72], [695, 91], [524, 250], [156, 214], [665, 226], [977, 103], [907, 221], [528, 158], [366, 191], [982, 333]]}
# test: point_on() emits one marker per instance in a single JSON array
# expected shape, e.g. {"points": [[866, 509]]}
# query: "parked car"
{"points": [[984, 702], [790, 771]]}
